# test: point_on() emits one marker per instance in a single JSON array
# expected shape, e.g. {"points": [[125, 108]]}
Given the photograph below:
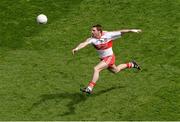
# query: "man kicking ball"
{"points": [[103, 42]]}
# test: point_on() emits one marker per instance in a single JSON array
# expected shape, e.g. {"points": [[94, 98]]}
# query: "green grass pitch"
{"points": [[40, 78]]}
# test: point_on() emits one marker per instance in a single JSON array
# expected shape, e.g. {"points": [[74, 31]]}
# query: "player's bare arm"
{"points": [[80, 46], [123, 31], [130, 30]]}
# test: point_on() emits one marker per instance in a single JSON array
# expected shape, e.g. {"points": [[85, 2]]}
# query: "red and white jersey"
{"points": [[104, 44]]}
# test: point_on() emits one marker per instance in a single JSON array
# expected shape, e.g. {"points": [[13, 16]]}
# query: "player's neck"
{"points": [[99, 36]]}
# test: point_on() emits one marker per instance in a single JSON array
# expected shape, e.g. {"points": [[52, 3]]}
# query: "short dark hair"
{"points": [[98, 26]]}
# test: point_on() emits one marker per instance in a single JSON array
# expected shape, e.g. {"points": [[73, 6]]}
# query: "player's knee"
{"points": [[96, 69], [116, 71]]}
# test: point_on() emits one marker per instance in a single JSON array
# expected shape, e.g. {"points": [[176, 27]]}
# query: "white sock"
{"points": [[132, 65], [90, 88]]}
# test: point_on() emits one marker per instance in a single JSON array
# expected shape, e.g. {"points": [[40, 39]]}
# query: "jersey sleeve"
{"points": [[114, 35]]}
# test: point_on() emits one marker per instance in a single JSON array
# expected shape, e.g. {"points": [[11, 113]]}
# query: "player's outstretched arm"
{"points": [[80, 46], [130, 30]]}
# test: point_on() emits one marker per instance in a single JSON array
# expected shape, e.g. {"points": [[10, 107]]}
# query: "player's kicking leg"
{"points": [[97, 69], [120, 67]]}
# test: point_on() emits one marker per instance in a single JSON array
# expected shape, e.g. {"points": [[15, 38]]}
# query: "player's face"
{"points": [[95, 32]]}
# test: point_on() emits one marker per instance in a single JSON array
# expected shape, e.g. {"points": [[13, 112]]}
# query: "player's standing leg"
{"points": [[97, 69]]}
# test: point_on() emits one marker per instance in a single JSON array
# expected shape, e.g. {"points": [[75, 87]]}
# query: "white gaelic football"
{"points": [[42, 19]]}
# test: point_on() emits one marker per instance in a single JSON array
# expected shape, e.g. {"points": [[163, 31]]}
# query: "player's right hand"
{"points": [[74, 51], [136, 30]]}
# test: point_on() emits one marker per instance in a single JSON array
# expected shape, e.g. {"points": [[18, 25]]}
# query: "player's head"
{"points": [[96, 31]]}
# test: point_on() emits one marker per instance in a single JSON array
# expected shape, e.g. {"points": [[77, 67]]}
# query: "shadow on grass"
{"points": [[76, 98]]}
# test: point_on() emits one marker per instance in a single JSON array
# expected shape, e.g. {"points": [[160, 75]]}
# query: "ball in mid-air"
{"points": [[42, 19]]}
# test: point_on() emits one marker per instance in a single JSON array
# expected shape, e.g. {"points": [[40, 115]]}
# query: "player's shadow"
{"points": [[76, 98]]}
